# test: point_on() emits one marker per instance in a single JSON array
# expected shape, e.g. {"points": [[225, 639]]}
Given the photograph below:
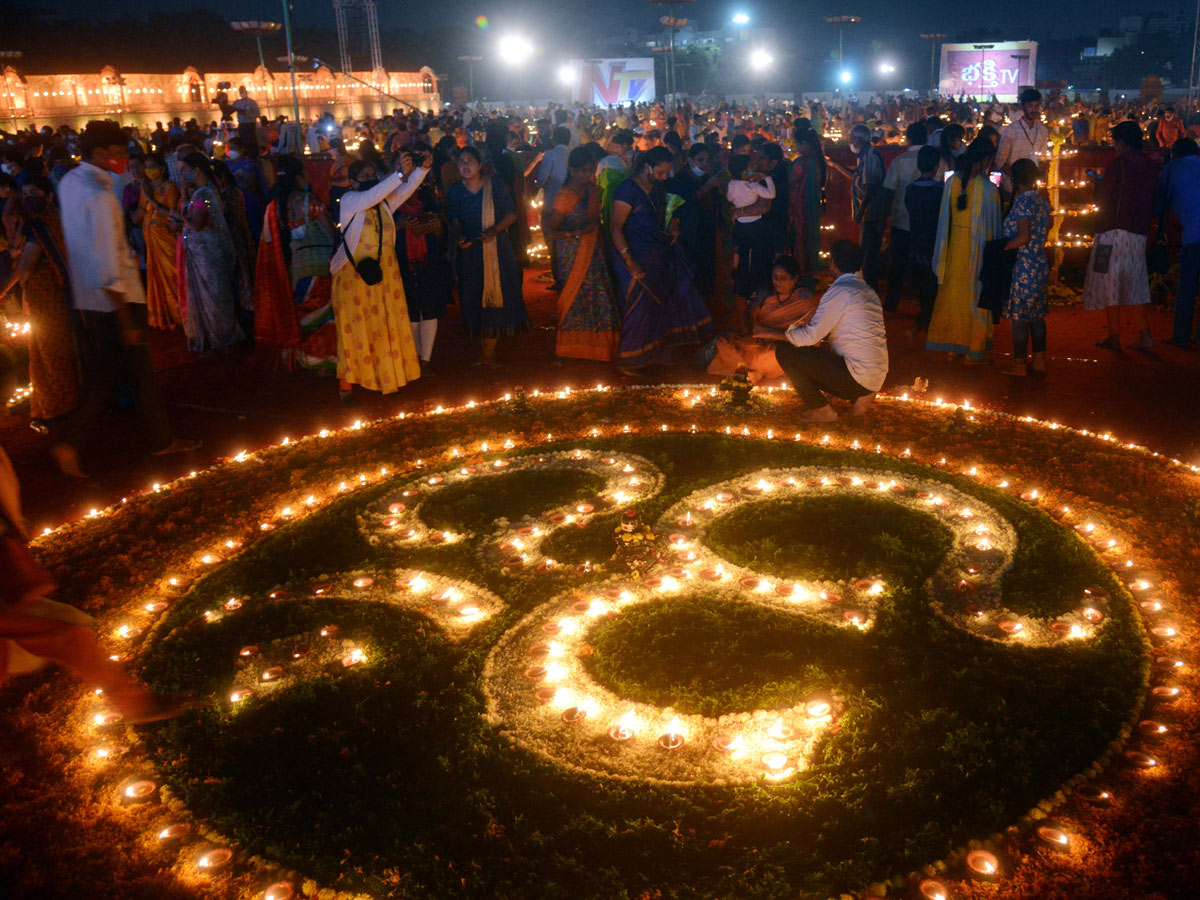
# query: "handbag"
{"points": [[368, 268], [312, 246], [995, 276]]}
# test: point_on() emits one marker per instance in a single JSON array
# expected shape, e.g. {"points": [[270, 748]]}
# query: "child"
{"points": [[751, 233], [923, 200]]}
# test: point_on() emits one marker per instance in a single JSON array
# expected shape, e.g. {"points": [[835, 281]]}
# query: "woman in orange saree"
{"points": [[293, 301], [787, 304], [160, 197], [588, 323]]}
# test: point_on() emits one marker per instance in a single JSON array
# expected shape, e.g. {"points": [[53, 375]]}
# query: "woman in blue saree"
{"points": [[660, 305]]}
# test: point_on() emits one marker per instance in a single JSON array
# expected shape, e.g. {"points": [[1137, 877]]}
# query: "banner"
{"points": [[607, 82], [981, 70]]}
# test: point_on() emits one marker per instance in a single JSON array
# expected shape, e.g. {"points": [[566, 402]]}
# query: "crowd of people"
{"points": [[692, 237]]}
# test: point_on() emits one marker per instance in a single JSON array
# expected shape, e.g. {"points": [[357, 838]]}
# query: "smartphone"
{"points": [[995, 177], [1092, 173]]}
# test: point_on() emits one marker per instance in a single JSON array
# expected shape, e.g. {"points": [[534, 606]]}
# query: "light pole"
{"points": [[287, 30], [258, 29], [673, 24], [841, 22], [470, 61], [933, 39]]}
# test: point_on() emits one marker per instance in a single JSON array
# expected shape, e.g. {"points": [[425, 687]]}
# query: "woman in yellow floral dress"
{"points": [[375, 344]]}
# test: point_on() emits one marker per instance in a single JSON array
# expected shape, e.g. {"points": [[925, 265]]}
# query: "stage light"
{"points": [[515, 49], [740, 19], [760, 59], [566, 73], [886, 68], [845, 76]]}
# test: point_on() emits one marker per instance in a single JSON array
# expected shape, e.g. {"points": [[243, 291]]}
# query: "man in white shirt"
{"points": [[1024, 138], [247, 116], [855, 364], [110, 306]]}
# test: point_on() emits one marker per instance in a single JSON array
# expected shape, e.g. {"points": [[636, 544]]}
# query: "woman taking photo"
{"points": [[375, 347], [660, 306], [1026, 226], [209, 284], [160, 198], [588, 324], [489, 280], [970, 217], [421, 254]]}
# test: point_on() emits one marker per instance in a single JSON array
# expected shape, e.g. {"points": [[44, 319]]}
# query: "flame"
{"points": [[779, 731], [630, 722], [676, 728]]}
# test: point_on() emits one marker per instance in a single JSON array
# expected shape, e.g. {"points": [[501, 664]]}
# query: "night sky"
{"points": [[1029, 18]]}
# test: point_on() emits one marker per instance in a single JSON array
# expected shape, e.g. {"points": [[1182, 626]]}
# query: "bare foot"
{"points": [[824, 413], [179, 445], [67, 458]]}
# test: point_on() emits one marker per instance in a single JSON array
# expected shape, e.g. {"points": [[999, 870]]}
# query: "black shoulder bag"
{"points": [[369, 268]]}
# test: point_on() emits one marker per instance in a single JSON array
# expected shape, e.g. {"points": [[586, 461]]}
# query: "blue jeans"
{"points": [[1185, 294]]}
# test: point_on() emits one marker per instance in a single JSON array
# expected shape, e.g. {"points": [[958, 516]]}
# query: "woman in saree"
{"points": [[970, 218], [233, 206], [806, 188], [489, 279], [660, 306], [421, 254], [786, 304], [209, 279], [588, 323], [247, 171], [160, 198], [45, 283], [293, 299]]}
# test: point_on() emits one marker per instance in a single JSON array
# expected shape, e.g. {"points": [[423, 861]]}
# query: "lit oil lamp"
{"points": [[673, 738], [1053, 837], [1169, 662], [329, 631], [1164, 632], [139, 791], [573, 715], [176, 831], [1092, 614], [750, 584], [726, 743], [855, 616], [545, 694], [1010, 626], [272, 674], [818, 707], [239, 695], [830, 597], [214, 860], [785, 589], [1140, 760], [1151, 729], [584, 508], [1093, 795], [280, 890], [1151, 606], [1165, 692], [932, 889], [354, 657], [155, 606], [982, 864], [625, 727], [233, 604], [300, 651], [774, 760], [436, 479], [781, 732], [1030, 496], [363, 582], [106, 719]]}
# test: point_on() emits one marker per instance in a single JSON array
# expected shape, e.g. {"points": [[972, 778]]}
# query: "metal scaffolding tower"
{"points": [[358, 31]]}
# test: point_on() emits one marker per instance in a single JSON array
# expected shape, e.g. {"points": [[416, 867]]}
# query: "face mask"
{"points": [[699, 172], [117, 166], [6, 168], [153, 174], [34, 205], [233, 154], [189, 177]]}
